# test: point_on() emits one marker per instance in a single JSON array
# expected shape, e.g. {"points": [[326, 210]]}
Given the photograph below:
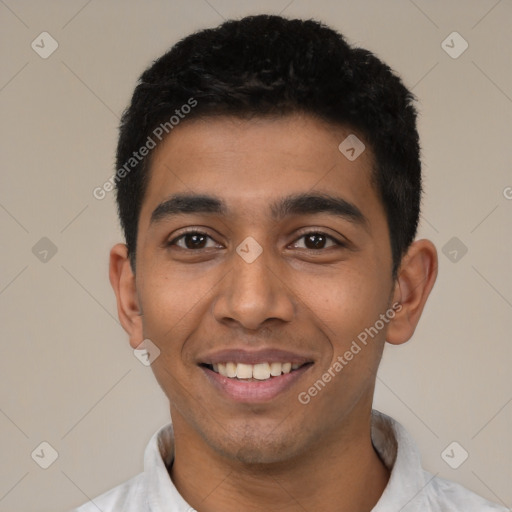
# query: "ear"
{"points": [[416, 277], [122, 280]]}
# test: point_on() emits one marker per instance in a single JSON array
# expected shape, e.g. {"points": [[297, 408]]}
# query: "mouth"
{"points": [[254, 380]]}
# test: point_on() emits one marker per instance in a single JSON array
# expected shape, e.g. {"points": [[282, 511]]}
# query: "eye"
{"points": [[197, 240], [316, 240], [192, 240]]}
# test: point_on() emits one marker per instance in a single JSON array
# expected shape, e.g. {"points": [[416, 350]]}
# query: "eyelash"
{"points": [[197, 232]]}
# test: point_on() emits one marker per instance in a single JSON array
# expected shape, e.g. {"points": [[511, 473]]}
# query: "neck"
{"points": [[340, 473]]}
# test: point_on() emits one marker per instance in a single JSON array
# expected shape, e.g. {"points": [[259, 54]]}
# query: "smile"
{"points": [[259, 371], [254, 383]]}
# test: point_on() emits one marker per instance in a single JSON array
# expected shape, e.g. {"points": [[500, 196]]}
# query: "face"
{"points": [[260, 244]]}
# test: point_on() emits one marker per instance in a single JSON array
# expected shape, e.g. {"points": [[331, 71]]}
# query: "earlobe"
{"points": [[123, 283], [415, 280]]}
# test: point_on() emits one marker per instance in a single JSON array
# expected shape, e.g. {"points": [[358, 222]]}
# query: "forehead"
{"points": [[251, 163]]}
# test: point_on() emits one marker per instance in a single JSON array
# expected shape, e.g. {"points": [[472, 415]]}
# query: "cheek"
{"points": [[171, 304], [348, 301], [171, 308]]}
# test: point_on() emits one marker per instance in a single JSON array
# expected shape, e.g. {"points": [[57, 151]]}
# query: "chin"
{"points": [[257, 447]]}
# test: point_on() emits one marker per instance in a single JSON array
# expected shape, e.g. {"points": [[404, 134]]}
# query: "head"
{"points": [[243, 128]]}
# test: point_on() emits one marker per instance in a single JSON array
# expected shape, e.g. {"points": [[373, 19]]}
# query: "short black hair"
{"points": [[268, 65]]}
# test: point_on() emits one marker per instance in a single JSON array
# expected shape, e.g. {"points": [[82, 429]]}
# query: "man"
{"points": [[268, 185]]}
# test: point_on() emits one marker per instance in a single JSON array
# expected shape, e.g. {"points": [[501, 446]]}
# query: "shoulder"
{"points": [[447, 496], [126, 497]]}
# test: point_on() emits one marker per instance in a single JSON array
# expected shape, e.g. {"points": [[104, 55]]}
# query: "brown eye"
{"points": [[192, 240], [318, 240]]}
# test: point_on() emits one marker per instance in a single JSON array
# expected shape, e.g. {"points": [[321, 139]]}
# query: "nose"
{"points": [[253, 294]]}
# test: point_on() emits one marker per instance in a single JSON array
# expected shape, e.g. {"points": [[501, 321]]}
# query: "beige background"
{"points": [[68, 374]]}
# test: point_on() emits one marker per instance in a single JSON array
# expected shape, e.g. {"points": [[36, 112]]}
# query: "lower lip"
{"points": [[254, 391]]}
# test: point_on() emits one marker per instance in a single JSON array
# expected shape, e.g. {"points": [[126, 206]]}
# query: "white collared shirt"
{"points": [[410, 488]]}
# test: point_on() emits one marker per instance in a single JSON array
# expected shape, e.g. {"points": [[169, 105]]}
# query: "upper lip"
{"points": [[242, 355]]}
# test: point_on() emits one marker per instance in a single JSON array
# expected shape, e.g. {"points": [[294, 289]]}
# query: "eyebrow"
{"points": [[297, 204]]}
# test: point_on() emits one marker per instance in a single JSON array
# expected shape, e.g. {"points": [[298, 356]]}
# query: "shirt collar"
{"points": [[398, 451], [395, 447], [162, 495]]}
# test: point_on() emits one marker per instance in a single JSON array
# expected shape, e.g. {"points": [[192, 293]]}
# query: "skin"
{"points": [[280, 454]]}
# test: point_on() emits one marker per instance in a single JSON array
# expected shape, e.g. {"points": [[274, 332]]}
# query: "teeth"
{"points": [[231, 370], [259, 371], [275, 369], [244, 371]]}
